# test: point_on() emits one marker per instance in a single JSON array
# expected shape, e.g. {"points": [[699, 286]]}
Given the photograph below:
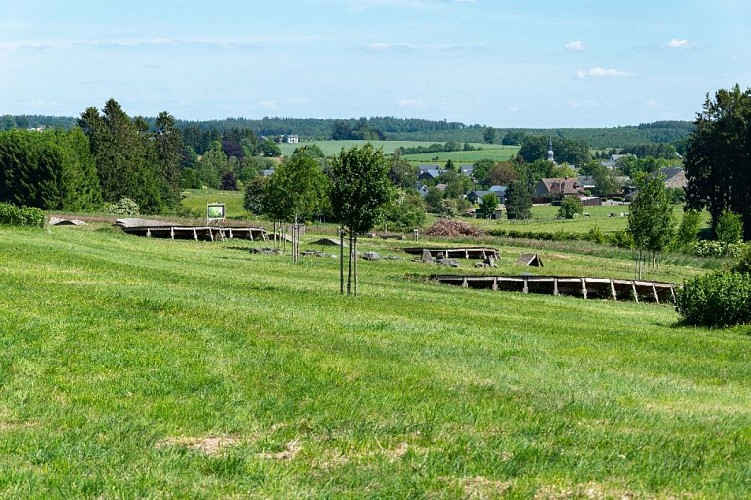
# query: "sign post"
{"points": [[214, 212]]}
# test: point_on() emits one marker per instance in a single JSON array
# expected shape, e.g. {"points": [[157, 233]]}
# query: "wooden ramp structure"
{"points": [[587, 288], [198, 233], [529, 259], [457, 253]]}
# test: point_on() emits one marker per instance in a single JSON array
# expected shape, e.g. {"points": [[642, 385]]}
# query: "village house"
{"points": [[558, 187], [429, 175], [675, 177]]}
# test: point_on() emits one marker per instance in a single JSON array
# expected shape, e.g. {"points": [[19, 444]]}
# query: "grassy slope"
{"points": [[196, 199], [118, 354]]}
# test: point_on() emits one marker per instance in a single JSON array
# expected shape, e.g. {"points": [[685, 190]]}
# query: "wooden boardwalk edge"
{"points": [[587, 288], [204, 233]]}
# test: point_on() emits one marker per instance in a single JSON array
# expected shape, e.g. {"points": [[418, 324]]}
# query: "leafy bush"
{"points": [[744, 261], [570, 206], [706, 248], [719, 298], [595, 235], [621, 239], [729, 227], [125, 206], [21, 216], [688, 230]]}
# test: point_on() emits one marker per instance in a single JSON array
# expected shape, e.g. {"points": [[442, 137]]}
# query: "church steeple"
{"points": [[550, 149]]}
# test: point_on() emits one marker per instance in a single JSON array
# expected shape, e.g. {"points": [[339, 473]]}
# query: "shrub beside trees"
{"points": [[720, 298], [487, 207], [21, 216], [570, 206]]}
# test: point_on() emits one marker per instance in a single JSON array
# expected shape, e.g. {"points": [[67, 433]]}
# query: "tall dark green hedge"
{"points": [[51, 170]]}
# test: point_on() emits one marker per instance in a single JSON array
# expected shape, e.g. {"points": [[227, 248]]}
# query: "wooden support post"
{"points": [[584, 288], [555, 286], [672, 294], [654, 292], [230, 233], [172, 233], [464, 282], [612, 290], [148, 233], [526, 285], [495, 282], [633, 290], [466, 254], [195, 234]]}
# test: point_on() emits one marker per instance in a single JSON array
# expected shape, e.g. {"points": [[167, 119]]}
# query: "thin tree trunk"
{"points": [[355, 273], [295, 229], [341, 260], [349, 267]]}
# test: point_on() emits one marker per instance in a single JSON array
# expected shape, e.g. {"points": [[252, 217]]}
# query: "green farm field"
{"points": [[489, 151], [544, 220], [135, 367], [331, 148]]}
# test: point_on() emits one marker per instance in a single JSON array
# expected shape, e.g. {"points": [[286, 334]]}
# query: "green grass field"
{"points": [[544, 219], [331, 148], [489, 151], [134, 367]]}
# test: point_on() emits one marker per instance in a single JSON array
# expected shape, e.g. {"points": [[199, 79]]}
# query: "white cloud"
{"points": [[268, 104], [586, 103], [680, 44], [384, 47], [575, 45], [161, 41], [411, 103], [39, 103], [358, 6], [602, 73]]}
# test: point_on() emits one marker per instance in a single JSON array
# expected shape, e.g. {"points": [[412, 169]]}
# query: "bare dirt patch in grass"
{"points": [[209, 445], [590, 490], [289, 452], [482, 487]]}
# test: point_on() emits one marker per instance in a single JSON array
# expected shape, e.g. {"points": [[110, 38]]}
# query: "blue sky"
{"points": [[522, 63]]}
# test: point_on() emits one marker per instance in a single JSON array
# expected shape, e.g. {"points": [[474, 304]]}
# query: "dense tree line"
{"points": [[12, 122], [661, 150], [448, 147], [407, 129], [574, 152]]}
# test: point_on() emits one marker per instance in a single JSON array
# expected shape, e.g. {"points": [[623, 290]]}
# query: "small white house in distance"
{"points": [[292, 139]]}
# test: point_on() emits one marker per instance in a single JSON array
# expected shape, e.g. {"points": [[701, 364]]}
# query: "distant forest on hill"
{"points": [[404, 129]]}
